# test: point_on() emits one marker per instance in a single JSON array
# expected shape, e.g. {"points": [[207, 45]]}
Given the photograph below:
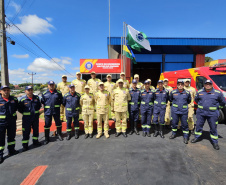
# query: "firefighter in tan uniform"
{"points": [[119, 103], [125, 82], [63, 87], [93, 83], [79, 84], [87, 105], [102, 100], [139, 84], [151, 87], [110, 86], [192, 91], [167, 114]]}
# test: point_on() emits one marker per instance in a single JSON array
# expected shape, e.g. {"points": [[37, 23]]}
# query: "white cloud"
{"points": [[49, 19], [17, 72], [56, 59], [44, 65], [20, 56], [76, 68], [66, 60], [16, 6], [32, 25]]}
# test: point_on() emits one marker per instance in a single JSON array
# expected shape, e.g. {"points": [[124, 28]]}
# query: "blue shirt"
{"points": [[134, 103], [72, 104]]}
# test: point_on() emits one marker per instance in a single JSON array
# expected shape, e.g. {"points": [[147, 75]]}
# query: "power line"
{"points": [[39, 47], [7, 4], [32, 74], [18, 12]]}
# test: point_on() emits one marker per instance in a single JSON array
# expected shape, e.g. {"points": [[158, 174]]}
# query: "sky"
{"points": [[70, 30]]}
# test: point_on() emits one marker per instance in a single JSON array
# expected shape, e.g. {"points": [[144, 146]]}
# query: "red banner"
{"points": [[100, 66]]}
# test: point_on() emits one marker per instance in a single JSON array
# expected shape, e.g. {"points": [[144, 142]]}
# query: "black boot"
{"points": [[156, 130], [25, 147], [172, 136], [185, 140], [117, 134], [131, 127], [216, 146], [36, 142], [46, 136], [148, 134], [1, 159], [144, 134], [131, 132], [91, 135], [136, 129], [59, 133], [12, 152], [195, 140], [86, 136], [76, 134], [161, 131], [124, 134], [68, 135]]}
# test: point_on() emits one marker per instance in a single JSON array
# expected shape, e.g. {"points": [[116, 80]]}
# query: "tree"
{"points": [[208, 59]]}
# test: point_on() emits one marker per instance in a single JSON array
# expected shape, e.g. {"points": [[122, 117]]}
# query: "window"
{"points": [[220, 80], [200, 80], [183, 79]]}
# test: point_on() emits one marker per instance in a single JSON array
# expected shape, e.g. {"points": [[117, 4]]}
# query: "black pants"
{"points": [[76, 123], [48, 120], [11, 133], [28, 123]]}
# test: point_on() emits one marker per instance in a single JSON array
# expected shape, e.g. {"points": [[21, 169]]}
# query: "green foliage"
{"points": [[208, 59]]}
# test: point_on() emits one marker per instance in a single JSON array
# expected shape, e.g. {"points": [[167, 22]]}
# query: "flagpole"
{"points": [[125, 44], [109, 45], [121, 56]]}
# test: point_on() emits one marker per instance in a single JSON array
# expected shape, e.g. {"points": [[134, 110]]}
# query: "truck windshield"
{"points": [[220, 80]]}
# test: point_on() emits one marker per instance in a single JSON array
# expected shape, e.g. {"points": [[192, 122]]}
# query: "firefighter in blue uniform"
{"points": [[71, 102], [134, 105], [29, 106], [8, 108], [146, 108], [209, 102], [52, 99], [180, 98], [161, 97]]}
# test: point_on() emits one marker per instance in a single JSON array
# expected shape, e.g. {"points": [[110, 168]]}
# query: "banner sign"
{"points": [[100, 66]]}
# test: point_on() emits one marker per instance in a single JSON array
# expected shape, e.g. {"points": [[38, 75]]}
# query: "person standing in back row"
{"points": [[79, 84], [93, 83], [125, 82]]}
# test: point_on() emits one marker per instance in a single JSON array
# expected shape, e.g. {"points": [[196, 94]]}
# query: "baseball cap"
{"points": [[78, 73], [160, 81], [64, 76], [208, 81], [108, 75], [187, 80], [28, 87], [146, 81], [165, 79], [122, 73], [180, 81], [134, 81], [149, 80], [93, 72], [120, 80], [87, 87], [4, 86], [101, 83], [136, 76], [51, 82], [71, 85]]}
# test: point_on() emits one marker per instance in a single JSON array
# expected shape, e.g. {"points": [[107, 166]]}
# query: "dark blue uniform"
{"points": [[134, 105], [146, 109], [30, 110], [208, 109], [8, 122], [52, 102], [160, 100], [72, 107], [179, 110]]}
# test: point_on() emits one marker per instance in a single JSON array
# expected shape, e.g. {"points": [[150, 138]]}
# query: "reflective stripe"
{"points": [[2, 116], [91, 106], [162, 124], [70, 109], [124, 104], [47, 107], [174, 130], [25, 141], [77, 108], [185, 106], [68, 130], [213, 108], [143, 126], [37, 112], [198, 133], [46, 128], [185, 132], [148, 126], [131, 103], [14, 114], [214, 137], [124, 127], [23, 129], [199, 106], [35, 138], [216, 122], [142, 102], [150, 103], [2, 147], [155, 102], [221, 107], [163, 103], [57, 106], [12, 143], [26, 113], [175, 105], [138, 103], [59, 126], [99, 129], [76, 128], [118, 127]]}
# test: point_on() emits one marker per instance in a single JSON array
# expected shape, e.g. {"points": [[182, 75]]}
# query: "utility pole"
{"points": [[32, 74], [109, 45], [4, 59]]}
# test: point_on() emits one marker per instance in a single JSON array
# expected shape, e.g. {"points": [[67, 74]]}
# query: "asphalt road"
{"points": [[132, 160]]}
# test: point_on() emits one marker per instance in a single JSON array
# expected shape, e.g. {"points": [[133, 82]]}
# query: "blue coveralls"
{"points": [[208, 109], [72, 106], [8, 122], [30, 110], [146, 109], [179, 109], [134, 105], [160, 100], [52, 102]]}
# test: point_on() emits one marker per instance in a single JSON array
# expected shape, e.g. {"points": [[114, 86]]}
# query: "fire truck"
{"points": [[198, 76]]}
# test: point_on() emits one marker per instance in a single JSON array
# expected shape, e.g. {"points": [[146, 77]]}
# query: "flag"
{"points": [[137, 40], [129, 53]]}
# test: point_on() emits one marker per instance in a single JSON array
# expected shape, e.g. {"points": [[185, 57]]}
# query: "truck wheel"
{"points": [[221, 117]]}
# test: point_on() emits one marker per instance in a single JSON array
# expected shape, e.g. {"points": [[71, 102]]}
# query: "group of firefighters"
{"points": [[162, 106]]}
